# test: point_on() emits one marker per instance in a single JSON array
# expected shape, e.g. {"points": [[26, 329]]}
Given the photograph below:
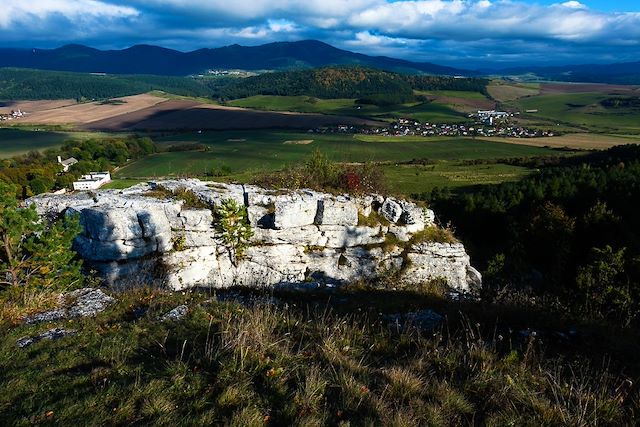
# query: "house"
{"points": [[66, 164], [92, 181]]}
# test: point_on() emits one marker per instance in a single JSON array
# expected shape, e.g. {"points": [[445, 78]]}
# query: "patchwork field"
{"points": [[50, 113], [560, 88], [150, 112], [33, 106]]}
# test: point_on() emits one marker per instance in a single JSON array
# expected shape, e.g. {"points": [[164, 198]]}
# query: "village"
{"points": [[484, 123]]}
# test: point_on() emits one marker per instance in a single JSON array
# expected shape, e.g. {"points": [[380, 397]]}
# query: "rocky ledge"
{"points": [[130, 237]]}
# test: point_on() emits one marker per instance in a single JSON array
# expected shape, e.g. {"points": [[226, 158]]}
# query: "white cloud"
{"points": [[411, 27], [15, 12]]}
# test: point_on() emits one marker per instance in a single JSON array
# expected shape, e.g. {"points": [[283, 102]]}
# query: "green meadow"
{"points": [[583, 110], [415, 179], [239, 154]]}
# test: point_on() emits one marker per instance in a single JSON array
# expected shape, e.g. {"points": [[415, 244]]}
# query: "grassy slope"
{"points": [[225, 364]]}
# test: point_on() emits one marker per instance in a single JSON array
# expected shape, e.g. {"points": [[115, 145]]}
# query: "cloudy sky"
{"points": [[456, 32]]}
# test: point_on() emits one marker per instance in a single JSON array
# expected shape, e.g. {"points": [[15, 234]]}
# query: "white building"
{"points": [[92, 181], [66, 164]]}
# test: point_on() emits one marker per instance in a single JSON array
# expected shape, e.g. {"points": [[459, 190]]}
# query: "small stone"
{"points": [[47, 316], [51, 334], [176, 314], [88, 302], [391, 210]]}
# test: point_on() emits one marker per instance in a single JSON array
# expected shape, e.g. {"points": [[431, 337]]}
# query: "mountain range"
{"points": [[146, 59]]}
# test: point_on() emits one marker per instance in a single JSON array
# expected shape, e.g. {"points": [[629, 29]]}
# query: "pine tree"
{"points": [[33, 253]]}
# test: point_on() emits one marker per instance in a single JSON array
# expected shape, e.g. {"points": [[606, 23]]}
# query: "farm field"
{"points": [[578, 141], [503, 91], [157, 112], [16, 141], [580, 109], [418, 179], [236, 155], [50, 113], [422, 111]]}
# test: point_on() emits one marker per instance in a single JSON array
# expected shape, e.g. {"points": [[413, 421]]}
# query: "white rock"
{"points": [[391, 210], [129, 238], [296, 212], [196, 219], [337, 212]]}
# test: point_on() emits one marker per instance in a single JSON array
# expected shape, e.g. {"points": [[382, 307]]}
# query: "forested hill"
{"points": [[322, 83], [35, 84], [144, 59], [329, 82]]}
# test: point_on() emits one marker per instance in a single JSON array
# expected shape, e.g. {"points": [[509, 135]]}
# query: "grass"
{"points": [[453, 94], [425, 112], [17, 141], [502, 91], [14, 142], [578, 141], [583, 110], [243, 151], [293, 364], [417, 179], [302, 104]]}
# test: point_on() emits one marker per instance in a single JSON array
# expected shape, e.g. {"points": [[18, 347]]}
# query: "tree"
{"points": [[35, 254], [605, 283]]}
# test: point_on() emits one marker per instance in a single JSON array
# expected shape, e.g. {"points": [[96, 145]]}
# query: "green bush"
{"points": [[233, 223]]}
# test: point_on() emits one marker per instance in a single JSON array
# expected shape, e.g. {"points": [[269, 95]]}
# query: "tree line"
{"points": [[571, 232], [369, 85]]}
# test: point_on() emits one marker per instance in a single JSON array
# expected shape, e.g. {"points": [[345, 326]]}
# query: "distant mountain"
{"points": [[145, 59], [620, 73]]}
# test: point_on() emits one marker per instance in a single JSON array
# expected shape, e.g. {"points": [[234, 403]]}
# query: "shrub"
{"points": [[233, 223], [318, 172]]}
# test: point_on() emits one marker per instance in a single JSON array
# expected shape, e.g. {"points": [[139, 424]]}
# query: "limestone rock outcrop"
{"points": [[131, 236]]}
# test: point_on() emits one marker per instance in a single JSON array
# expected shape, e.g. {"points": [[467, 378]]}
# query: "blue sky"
{"points": [[465, 33]]}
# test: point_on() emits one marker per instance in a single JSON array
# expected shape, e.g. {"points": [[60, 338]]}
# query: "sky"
{"points": [[463, 33]]}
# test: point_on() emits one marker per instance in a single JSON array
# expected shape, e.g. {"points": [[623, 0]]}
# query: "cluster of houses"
{"points": [[484, 123], [91, 181], [13, 115], [405, 127]]}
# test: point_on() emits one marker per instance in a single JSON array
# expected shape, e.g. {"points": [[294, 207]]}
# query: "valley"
{"points": [[319, 247]]}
